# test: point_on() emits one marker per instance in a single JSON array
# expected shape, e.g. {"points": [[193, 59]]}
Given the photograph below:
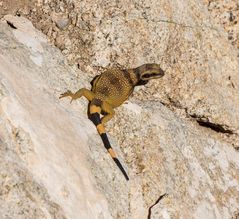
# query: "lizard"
{"points": [[109, 90]]}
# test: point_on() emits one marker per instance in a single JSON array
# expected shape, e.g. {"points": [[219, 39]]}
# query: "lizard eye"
{"points": [[157, 73], [148, 75]]}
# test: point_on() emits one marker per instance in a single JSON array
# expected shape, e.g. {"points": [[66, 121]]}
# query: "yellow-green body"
{"points": [[112, 87], [110, 90]]}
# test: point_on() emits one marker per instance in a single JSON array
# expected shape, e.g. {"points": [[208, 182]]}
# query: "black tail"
{"points": [[95, 118]]}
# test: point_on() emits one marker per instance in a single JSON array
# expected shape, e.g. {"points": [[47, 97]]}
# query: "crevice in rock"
{"points": [[214, 127], [157, 201], [11, 25], [201, 121]]}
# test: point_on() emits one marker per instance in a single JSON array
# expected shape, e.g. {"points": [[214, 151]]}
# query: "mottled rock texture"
{"points": [[44, 168], [178, 135], [226, 13], [190, 39]]}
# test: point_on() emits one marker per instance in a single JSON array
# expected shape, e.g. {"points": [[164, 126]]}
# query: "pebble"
{"points": [[62, 23]]}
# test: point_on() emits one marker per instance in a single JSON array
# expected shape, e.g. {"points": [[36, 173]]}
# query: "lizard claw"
{"points": [[66, 94]]}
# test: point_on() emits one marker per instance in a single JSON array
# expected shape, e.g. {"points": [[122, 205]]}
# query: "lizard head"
{"points": [[147, 72]]}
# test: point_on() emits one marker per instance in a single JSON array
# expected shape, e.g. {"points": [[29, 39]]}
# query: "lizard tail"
{"points": [[95, 118]]}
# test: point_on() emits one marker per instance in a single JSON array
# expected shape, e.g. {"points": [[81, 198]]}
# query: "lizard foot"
{"points": [[68, 93]]}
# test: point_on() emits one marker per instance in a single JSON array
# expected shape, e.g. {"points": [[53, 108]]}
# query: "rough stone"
{"points": [[164, 147], [226, 13], [44, 172], [60, 19], [189, 39]]}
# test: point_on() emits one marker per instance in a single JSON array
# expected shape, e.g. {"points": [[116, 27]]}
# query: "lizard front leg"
{"points": [[82, 92]]}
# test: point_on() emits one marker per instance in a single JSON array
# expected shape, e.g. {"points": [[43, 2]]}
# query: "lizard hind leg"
{"points": [[94, 115], [108, 112]]}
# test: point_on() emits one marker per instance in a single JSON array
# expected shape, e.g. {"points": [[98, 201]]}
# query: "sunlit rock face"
{"points": [[53, 163]]}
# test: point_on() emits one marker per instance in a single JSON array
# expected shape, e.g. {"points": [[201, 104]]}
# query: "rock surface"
{"points": [[44, 168], [226, 13], [55, 164], [190, 39]]}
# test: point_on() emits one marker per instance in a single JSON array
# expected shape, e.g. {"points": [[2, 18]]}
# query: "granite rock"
{"points": [[55, 165]]}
